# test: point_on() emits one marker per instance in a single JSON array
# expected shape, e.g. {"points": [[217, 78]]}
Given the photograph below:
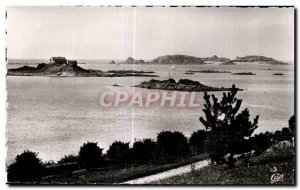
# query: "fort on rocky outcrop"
{"points": [[60, 66]]}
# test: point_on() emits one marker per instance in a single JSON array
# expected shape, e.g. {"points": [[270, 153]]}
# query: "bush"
{"points": [[119, 153], [261, 142], [228, 128], [292, 124], [27, 168], [90, 156], [172, 145], [68, 159], [284, 135], [197, 141], [144, 151]]}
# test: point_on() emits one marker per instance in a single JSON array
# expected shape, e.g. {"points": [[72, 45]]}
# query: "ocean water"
{"points": [[54, 116]]}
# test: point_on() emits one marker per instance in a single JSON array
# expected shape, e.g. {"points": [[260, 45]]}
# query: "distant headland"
{"points": [[187, 60]]}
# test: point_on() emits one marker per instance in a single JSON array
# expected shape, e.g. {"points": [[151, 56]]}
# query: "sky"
{"points": [[148, 32]]}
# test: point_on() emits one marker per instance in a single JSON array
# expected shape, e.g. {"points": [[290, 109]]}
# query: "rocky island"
{"points": [[244, 73], [60, 66], [207, 71], [177, 60], [181, 85], [130, 60], [192, 60], [260, 59], [278, 74]]}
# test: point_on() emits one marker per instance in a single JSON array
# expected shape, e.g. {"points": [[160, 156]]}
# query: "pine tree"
{"points": [[228, 129]]}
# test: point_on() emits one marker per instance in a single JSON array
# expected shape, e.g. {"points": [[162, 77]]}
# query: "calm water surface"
{"points": [[55, 116]]}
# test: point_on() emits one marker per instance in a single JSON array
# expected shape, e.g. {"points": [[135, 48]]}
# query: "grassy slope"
{"points": [[258, 172], [116, 175]]}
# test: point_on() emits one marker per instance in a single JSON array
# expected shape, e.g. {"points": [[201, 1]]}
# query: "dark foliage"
{"points": [[292, 124], [284, 135], [144, 151], [261, 142], [197, 141], [171, 146], [90, 156], [63, 168], [27, 168], [119, 153], [68, 159], [227, 127]]}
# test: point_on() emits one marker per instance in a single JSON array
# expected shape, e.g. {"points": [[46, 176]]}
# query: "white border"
{"points": [[5, 3]]}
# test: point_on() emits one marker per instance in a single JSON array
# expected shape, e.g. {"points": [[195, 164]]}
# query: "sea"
{"points": [[54, 116]]}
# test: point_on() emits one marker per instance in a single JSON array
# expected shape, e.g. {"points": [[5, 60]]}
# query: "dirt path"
{"points": [[169, 173]]}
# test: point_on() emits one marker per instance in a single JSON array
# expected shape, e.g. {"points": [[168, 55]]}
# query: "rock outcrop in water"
{"points": [[244, 73], [261, 59], [181, 85], [280, 74], [69, 68], [207, 71], [131, 73], [130, 60]]}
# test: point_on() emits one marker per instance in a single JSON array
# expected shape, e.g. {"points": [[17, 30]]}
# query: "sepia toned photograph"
{"points": [[150, 95]]}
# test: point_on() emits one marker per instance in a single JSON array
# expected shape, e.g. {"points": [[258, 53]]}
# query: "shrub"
{"points": [[227, 127], [172, 145], [197, 141], [144, 151], [292, 127], [119, 153], [261, 142], [284, 135], [27, 168], [292, 124], [90, 156], [68, 159]]}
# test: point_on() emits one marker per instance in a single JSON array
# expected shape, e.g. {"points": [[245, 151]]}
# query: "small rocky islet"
{"points": [[181, 85], [207, 71], [244, 73], [279, 74]]}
